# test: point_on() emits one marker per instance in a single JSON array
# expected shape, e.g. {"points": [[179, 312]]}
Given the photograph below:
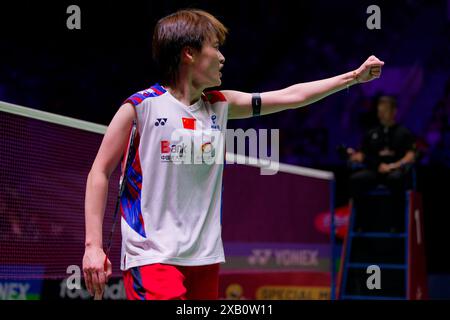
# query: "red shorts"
{"points": [[168, 282]]}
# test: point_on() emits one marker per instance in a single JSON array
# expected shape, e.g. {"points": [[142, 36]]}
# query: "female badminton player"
{"points": [[170, 212]]}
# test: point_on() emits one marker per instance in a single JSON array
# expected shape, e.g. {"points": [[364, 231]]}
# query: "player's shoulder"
{"points": [[137, 98], [213, 96]]}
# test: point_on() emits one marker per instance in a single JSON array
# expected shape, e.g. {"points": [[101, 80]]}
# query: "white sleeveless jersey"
{"points": [[171, 205]]}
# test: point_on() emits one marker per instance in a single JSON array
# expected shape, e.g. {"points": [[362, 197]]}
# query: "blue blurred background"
{"points": [[87, 73]]}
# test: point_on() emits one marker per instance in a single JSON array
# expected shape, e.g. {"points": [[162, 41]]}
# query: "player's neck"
{"points": [[186, 92]]}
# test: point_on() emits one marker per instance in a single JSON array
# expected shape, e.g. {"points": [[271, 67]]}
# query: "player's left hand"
{"points": [[369, 70]]}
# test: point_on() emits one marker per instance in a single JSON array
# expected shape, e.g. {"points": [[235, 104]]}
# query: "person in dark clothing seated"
{"points": [[386, 155], [386, 158]]}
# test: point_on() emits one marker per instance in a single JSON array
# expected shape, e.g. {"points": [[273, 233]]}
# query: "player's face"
{"points": [[207, 64]]}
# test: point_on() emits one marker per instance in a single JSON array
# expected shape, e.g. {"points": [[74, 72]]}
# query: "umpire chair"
{"points": [[383, 255]]}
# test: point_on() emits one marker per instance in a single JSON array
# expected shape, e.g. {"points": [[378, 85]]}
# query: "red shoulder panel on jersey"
{"points": [[214, 96]]}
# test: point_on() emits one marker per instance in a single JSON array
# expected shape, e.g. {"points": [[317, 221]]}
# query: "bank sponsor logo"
{"points": [[171, 152]]}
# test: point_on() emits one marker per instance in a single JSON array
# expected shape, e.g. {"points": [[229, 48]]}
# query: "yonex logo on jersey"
{"points": [[160, 121]]}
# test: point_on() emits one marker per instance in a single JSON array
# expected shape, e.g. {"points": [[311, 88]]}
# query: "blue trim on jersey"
{"points": [[130, 202], [140, 96], [132, 212], [159, 88], [131, 206], [137, 282]]}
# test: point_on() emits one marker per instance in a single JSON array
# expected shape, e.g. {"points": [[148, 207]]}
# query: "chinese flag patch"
{"points": [[189, 123]]}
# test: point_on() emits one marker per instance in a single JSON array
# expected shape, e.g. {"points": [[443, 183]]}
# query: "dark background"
{"points": [[87, 73]]}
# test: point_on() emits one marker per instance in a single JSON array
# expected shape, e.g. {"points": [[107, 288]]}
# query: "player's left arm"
{"points": [[301, 94]]}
